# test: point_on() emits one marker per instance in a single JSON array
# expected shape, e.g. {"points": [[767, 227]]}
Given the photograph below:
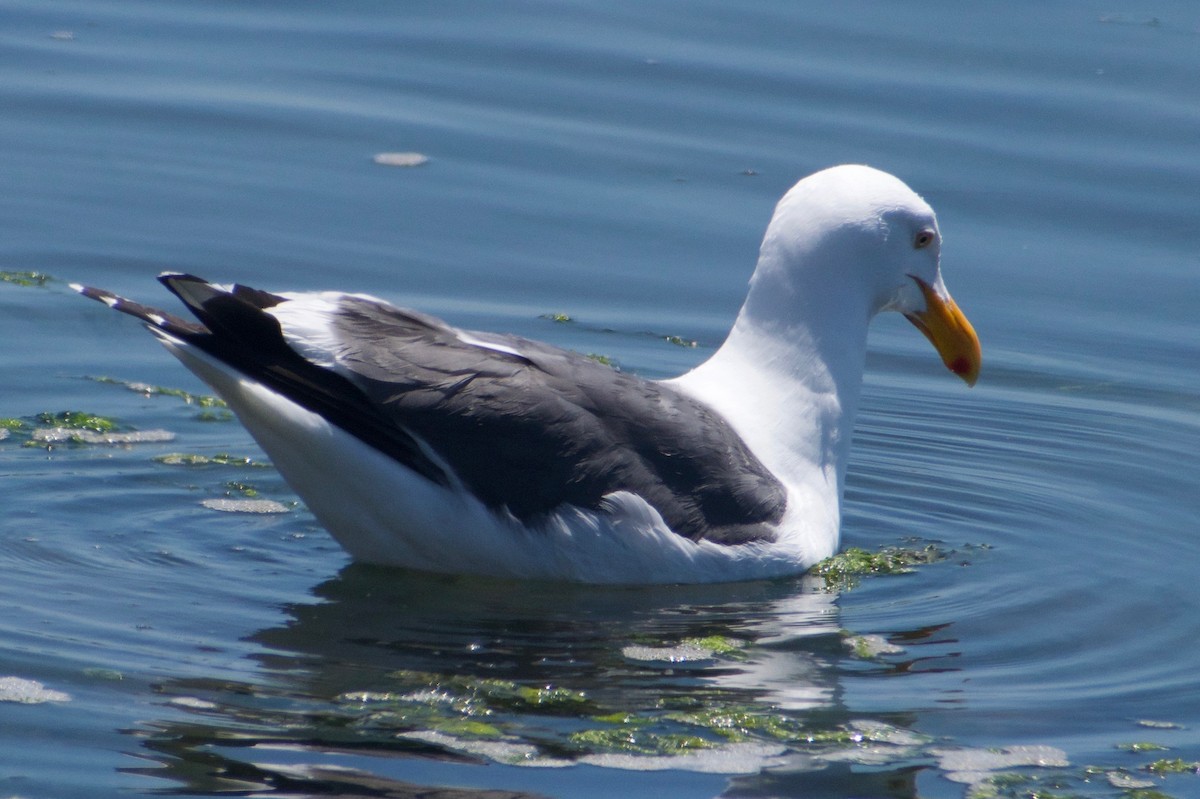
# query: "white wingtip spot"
{"points": [[76, 287], [466, 338]]}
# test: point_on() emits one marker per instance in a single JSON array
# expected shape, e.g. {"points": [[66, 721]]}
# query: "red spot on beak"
{"points": [[960, 366]]}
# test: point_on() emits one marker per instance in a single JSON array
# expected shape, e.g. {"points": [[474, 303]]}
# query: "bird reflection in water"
{"points": [[391, 670]]}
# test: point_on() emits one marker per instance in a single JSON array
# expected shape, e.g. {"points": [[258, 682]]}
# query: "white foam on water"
{"points": [[244, 505], [28, 692], [66, 435]]}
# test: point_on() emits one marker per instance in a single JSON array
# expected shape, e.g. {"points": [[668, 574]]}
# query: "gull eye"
{"points": [[923, 239]]}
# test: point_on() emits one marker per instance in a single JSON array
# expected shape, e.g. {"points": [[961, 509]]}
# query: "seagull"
{"points": [[422, 445]]}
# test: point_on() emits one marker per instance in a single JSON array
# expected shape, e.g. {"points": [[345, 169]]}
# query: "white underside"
{"points": [[381, 512]]}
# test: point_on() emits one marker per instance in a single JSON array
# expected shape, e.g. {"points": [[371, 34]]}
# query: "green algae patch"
{"points": [[843, 570], [676, 732], [462, 727], [77, 420], [718, 644], [1172, 766], [559, 318], [551, 697], [680, 341], [1155, 724], [13, 425], [148, 390], [25, 278], [638, 740], [80, 428], [743, 723], [1147, 793], [1142, 746], [688, 653], [1006, 785], [241, 489], [220, 459], [457, 706], [496, 694], [430, 714], [869, 647], [601, 359]]}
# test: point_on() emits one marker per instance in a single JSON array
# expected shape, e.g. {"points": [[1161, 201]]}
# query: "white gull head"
{"points": [[843, 245]]}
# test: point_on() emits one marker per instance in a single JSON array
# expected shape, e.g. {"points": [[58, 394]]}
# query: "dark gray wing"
{"points": [[525, 426], [528, 427]]}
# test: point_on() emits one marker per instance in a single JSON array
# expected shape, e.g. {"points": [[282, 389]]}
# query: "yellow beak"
{"points": [[950, 333]]}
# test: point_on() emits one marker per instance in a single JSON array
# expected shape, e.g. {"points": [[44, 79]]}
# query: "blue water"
{"points": [[616, 162]]}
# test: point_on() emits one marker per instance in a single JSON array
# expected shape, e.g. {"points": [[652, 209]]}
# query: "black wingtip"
{"points": [[192, 291], [154, 317], [166, 277], [100, 295], [196, 292]]}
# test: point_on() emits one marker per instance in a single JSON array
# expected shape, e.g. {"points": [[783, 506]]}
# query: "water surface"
{"points": [[615, 162]]}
